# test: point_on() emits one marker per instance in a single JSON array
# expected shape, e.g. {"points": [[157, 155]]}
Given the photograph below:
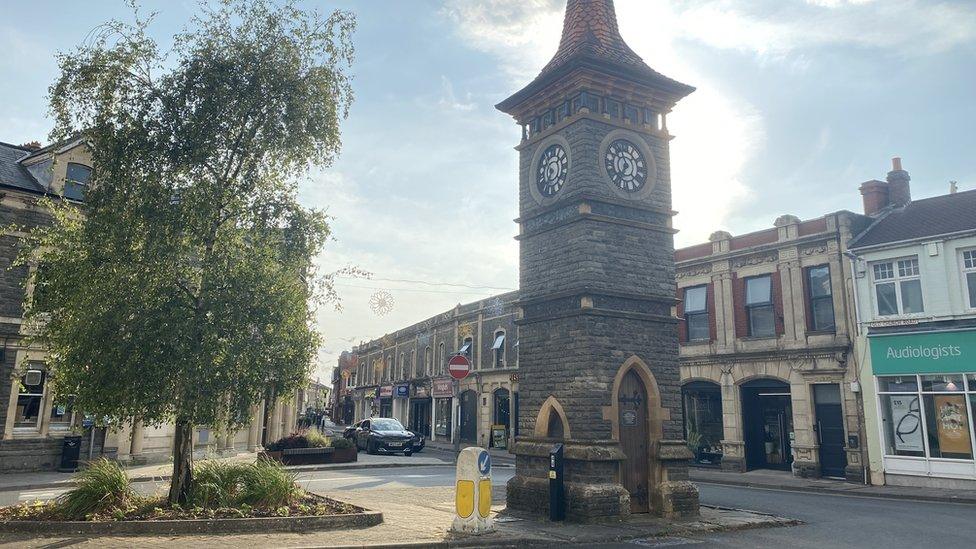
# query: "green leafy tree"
{"points": [[186, 290]]}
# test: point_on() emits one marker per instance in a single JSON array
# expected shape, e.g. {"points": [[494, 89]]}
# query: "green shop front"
{"points": [[926, 396]]}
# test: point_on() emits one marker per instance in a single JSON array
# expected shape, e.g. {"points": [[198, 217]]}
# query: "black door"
{"points": [[469, 416], [767, 421], [830, 430], [420, 417]]}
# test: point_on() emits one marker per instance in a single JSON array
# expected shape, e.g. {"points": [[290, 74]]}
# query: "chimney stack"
{"points": [[875, 194], [899, 190], [953, 187]]}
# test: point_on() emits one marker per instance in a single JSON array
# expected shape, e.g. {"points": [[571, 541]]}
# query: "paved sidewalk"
{"points": [[498, 455], [784, 480], [163, 471], [421, 517]]}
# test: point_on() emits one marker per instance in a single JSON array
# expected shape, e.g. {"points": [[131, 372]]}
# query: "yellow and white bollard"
{"points": [[472, 496]]}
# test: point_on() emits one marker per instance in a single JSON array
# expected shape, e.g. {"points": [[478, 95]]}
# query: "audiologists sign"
{"points": [[921, 353]]}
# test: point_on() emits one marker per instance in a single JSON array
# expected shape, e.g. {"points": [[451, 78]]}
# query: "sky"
{"points": [[797, 103]]}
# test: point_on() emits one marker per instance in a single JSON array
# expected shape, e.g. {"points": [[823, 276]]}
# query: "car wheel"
{"points": [[408, 453]]}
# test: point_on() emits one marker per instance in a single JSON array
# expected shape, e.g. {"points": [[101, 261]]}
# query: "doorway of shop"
{"points": [[767, 422], [420, 416], [503, 414], [830, 430], [469, 416]]}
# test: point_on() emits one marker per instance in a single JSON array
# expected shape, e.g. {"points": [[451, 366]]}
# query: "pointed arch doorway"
{"points": [[633, 421]]}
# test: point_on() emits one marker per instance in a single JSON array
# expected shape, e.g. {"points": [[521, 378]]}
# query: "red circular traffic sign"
{"points": [[459, 367]]}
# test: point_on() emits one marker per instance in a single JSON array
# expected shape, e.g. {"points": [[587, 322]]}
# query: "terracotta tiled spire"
{"points": [[591, 42], [590, 29]]}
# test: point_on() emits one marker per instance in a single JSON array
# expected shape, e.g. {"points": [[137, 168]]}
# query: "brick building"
{"points": [[404, 375]]}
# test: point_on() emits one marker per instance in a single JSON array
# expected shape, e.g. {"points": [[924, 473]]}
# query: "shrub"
{"points": [[342, 444], [300, 439], [268, 485], [217, 483], [294, 440], [317, 440], [102, 487]]}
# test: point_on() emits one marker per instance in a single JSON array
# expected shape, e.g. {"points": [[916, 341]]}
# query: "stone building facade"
{"points": [[404, 375], [33, 420], [767, 374]]}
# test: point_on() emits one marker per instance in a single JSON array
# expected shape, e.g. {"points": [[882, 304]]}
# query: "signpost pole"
{"points": [[456, 431]]}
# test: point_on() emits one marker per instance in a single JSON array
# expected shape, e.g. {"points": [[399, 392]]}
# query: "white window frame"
{"points": [[927, 465], [967, 266], [896, 279]]}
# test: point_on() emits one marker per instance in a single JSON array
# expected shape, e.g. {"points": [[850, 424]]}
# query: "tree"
{"points": [[186, 291]]}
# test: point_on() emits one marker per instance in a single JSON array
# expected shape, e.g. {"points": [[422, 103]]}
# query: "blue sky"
{"points": [[798, 102]]}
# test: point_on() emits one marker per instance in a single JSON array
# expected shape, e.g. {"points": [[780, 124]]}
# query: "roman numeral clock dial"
{"points": [[626, 166], [552, 170]]}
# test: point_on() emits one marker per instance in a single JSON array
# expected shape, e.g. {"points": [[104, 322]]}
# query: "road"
{"points": [[317, 481], [830, 520], [833, 521]]}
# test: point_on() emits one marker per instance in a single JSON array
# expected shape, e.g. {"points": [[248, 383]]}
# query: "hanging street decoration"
{"points": [[381, 303]]}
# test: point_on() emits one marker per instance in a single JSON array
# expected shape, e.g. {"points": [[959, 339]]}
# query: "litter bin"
{"points": [[70, 452]]}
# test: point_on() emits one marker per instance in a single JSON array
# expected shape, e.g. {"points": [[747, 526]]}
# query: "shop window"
{"points": [[934, 422], [696, 313], [969, 271], [702, 402], [898, 287], [498, 348], [76, 181], [759, 306], [62, 413], [29, 399], [821, 298]]}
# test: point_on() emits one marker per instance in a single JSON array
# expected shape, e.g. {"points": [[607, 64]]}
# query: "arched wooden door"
{"points": [[634, 439]]}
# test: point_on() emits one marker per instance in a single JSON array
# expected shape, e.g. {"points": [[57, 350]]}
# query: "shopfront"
{"points": [[702, 402], [926, 395], [386, 401], [443, 390], [420, 409]]}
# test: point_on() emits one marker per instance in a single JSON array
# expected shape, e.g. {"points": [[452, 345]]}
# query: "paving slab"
{"points": [[421, 517]]}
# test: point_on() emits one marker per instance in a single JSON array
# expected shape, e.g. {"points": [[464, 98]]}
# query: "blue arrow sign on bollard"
{"points": [[484, 463]]}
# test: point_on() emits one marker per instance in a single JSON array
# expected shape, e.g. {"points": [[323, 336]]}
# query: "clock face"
{"points": [[626, 165], [552, 170]]}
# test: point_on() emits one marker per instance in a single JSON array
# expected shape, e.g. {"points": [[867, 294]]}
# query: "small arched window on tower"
{"points": [[402, 372], [442, 358], [428, 361], [498, 347], [76, 181]]}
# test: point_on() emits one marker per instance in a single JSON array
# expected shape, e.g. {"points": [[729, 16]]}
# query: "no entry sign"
{"points": [[459, 367]]}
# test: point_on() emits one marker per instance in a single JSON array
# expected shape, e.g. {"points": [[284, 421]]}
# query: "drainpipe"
{"points": [[857, 372]]}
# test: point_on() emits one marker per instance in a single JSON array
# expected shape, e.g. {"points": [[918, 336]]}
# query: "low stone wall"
{"points": [[216, 526]]}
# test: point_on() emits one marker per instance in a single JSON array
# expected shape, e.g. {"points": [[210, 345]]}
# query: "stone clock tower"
{"points": [[598, 349]]}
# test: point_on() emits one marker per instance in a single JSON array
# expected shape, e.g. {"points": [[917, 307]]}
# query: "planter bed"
{"points": [[310, 456], [327, 514]]}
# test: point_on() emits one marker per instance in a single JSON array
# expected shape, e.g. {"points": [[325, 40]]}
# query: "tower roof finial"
{"points": [[591, 41], [590, 29]]}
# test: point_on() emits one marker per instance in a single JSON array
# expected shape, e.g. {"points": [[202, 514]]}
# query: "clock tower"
{"points": [[598, 343]]}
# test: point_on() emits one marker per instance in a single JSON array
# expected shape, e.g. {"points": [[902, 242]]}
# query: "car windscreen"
{"points": [[387, 425]]}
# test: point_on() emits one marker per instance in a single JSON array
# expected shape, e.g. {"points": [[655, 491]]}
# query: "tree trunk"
{"points": [[179, 488]]}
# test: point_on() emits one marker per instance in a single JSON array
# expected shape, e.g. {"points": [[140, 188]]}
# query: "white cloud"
{"points": [[784, 28], [449, 99]]}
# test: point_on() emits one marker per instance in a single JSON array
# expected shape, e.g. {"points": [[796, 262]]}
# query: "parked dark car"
{"points": [[382, 435]]}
